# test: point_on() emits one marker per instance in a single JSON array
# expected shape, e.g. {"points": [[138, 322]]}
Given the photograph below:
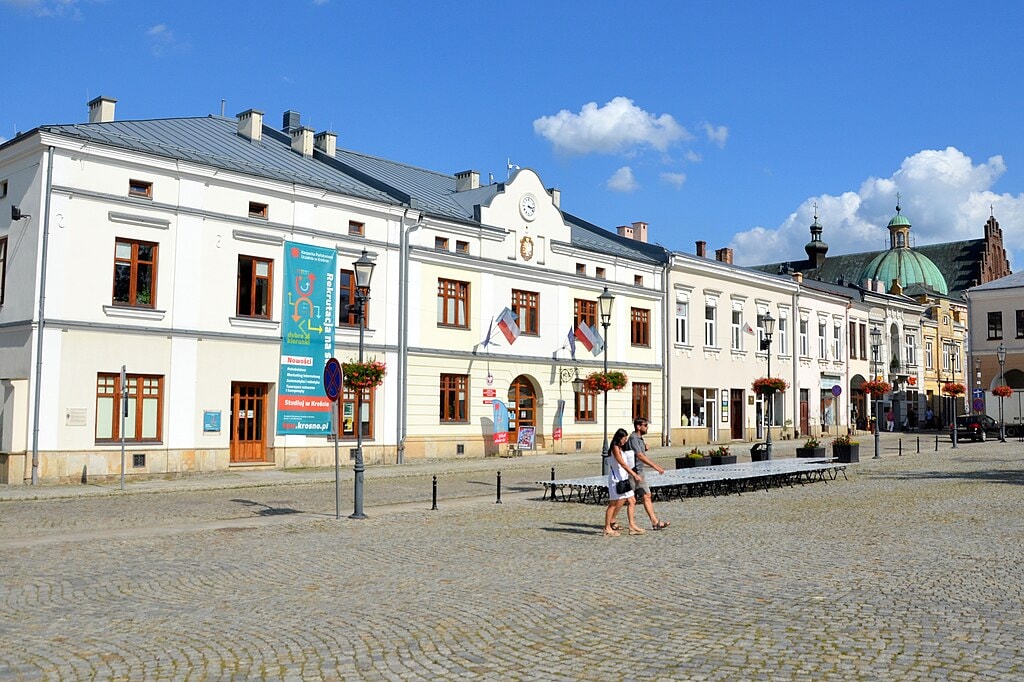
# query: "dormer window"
{"points": [[140, 188], [258, 210]]}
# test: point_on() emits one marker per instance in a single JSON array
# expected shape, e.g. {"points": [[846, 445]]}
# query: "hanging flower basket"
{"points": [[953, 389], [363, 375], [769, 385], [1002, 391], [601, 382], [876, 388]]}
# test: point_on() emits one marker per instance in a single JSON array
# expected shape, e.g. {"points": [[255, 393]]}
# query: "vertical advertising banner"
{"points": [[500, 422], [557, 432], [307, 339]]}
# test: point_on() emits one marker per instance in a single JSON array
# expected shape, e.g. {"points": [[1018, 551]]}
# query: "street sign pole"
{"points": [[332, 387]]}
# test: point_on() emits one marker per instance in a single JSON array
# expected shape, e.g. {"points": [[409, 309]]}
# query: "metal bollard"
{"points": [[901, 446], [936, 442], [498, 501], [433, 507], [553, 485], [919, 445]]}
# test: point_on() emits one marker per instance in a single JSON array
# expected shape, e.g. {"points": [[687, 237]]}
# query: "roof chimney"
{"points": [[467, 179], [556, 197], [327, 142], [702, 248], [640, 232], [250, 125], [798, 276], [896, 288], [101, 109], [625, 231], [302, 141], [291, 121], [724, 255]]}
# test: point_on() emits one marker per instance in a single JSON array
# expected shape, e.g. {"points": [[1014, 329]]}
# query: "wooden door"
{"points": [[805, 411], [248, 422], [736, 414], [522, 405]]}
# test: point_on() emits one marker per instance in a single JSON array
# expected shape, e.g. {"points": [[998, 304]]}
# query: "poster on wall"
{"points": [[527, 438], [307, 339]]}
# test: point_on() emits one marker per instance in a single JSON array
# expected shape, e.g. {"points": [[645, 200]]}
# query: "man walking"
{"points": [[637, 444]]}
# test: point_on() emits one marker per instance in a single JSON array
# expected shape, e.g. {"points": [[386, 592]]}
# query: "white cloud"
{"points": [[162, 40], [622, 180], [944, 194], [716, 134], [674, 179], [692, 156], [47, 8], [618, 126]]}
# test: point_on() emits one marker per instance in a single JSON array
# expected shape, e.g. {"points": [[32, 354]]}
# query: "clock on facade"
{"points": [[528, 206]]}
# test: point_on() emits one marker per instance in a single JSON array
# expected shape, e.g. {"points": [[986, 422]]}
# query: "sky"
{"points": [[730, 123]]}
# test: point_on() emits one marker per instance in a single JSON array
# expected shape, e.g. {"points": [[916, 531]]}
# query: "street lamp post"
{"points": [[766, 345], [876, 349], [1001, 357], [604, 302], [570, 375], [364, 272]]}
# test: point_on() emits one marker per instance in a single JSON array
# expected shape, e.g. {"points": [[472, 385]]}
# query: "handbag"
{"points": [[624, 486]]}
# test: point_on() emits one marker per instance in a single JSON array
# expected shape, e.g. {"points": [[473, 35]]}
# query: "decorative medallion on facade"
{"points": [[526, 248]]}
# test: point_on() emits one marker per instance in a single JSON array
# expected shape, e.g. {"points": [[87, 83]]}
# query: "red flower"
{"points": [[953, 389], [769, 385], [601, 382], [362, 375], [1002, 391], [876, 388]]}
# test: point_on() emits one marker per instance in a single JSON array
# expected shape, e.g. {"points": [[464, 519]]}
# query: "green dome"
{"points": [[899, 220], [906, 265]]}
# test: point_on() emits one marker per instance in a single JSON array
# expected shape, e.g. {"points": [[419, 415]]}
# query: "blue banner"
{"points": [[500, 422], [307, 339]]}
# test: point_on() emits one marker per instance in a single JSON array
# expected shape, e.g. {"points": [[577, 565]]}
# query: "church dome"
{"points": [[909, 267], [902, 263]]}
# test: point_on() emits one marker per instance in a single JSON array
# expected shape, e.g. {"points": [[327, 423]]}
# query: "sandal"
{"points": [[613, 533], [636, 531], [616, 526], [661, 525]]}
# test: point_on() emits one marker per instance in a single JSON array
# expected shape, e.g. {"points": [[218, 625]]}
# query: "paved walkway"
{"points": [[908, 570]]}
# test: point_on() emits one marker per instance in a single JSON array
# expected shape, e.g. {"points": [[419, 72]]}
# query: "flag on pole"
{"points": [[585, 335], [748, 329], [598, 342], [572, 343], [507, 325], [490, 331]]}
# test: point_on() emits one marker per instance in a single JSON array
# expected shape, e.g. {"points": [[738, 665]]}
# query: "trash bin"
{"points": [[759, 452]]}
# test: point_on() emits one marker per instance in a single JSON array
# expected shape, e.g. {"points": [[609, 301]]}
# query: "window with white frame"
{"points": [[947, 351], [782, 334], [928, 354], [911, 353], [837, 341], [760, 327], [955, 357], [710, 333], [805, 348], [737, 330], [822, 340], [682, 322]]}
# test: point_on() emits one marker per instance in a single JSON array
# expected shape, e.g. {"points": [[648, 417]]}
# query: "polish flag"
{"points": [[507, 325], [589, 338]]}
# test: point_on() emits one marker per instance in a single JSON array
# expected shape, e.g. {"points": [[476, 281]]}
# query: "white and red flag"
{"points": [[507, 325]]}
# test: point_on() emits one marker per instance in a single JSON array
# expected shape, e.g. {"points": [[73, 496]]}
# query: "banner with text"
{"points": [[307, 339]]}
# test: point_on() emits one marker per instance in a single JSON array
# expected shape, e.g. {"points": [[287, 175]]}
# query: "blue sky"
{"points": [[724, 122]]}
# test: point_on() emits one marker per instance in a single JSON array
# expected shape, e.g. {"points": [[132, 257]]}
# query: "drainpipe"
{"points": [[667, 314], [794, 336], [39, 329], [404, 249]]}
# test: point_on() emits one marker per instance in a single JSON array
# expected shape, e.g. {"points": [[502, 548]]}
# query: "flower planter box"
{"points": [[846, 453], [818, 453], [717, 460], [689, 462]]}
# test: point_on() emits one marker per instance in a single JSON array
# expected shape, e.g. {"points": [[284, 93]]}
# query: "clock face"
{"points": [[528, 206]]}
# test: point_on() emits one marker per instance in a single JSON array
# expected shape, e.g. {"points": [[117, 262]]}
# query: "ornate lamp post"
{"points": [[570, 375], [876, 349], [604, 304], [1001, 357], [766, 345], [364, 272]]}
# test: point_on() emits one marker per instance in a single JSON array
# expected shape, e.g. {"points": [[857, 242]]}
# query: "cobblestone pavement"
{"points": [[909, 570]]}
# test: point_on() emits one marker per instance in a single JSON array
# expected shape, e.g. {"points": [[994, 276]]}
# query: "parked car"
{"points": [[974, 427]]}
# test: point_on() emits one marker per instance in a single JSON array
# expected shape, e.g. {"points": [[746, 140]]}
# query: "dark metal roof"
{"points": [[214, 141], [1009, 282], [589, 236]]}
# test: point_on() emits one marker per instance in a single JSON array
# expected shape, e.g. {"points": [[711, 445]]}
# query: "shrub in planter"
{"points": [[695, 458], [720, 455], [846, 450], [812, 447]]}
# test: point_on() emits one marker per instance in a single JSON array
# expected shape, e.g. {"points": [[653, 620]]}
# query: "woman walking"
{"points": [[621, 469]]}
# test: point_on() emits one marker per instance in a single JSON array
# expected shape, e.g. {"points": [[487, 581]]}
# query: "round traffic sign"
{"points": [[332, 379], [837, 390], [978, 405]]}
